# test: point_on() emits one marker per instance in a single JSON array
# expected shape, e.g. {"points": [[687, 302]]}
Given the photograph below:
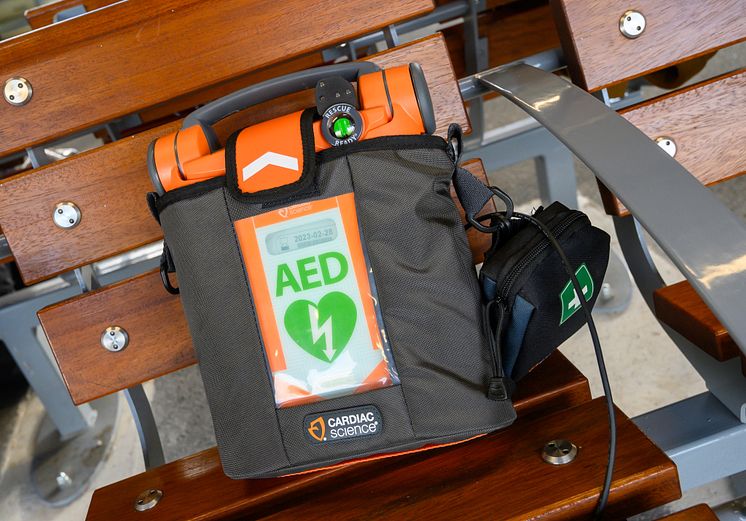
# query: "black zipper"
{"points": [[536, 251]]}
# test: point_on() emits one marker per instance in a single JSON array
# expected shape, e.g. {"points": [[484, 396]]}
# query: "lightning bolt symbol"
{"points": [[324, 329]]}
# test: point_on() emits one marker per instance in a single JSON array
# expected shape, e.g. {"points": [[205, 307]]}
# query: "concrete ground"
{"points": [[646, 369]]}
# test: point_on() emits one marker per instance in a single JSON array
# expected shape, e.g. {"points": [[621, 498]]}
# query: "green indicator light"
{"points": [[343, 128]]}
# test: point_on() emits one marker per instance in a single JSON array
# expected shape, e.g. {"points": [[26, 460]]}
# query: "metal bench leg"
{"points": [[71, 440], [152, 450], [555, 170], [17, 330]]}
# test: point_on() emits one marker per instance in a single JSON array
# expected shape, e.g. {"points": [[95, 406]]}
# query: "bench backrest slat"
{"points": [[513, 31], [43, 15], [706, 123], [599, 55], [136, 54]]}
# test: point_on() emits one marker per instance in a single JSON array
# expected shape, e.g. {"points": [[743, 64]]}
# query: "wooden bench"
{"points": [[700, 125], [143, 75], [500, 474]]}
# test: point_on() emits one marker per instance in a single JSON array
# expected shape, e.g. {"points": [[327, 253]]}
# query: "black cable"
{"points": [[604, 496], [495, 228]]}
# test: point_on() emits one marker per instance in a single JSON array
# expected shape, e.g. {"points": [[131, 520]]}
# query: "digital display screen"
{"points": [[301, 236]]}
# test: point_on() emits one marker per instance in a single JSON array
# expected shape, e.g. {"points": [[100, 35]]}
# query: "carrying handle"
{"points": [[221, 108]]}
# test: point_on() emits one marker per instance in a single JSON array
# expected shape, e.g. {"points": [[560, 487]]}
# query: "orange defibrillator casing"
{"points": [[392, 102]]}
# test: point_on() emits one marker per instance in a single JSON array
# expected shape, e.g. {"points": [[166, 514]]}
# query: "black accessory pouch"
{"points": [[531, 304]]}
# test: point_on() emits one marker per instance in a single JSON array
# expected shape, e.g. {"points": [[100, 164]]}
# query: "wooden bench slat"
{"points": [[137, 54], [185, 103], [499, 476], [706, 123], [109, 183], [40, 16], [513, 31], [159, 340], [681, 308], [599, 55], [695, 513]]}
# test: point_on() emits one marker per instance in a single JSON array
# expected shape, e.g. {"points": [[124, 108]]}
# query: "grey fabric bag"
{"points": [[428, 294]]}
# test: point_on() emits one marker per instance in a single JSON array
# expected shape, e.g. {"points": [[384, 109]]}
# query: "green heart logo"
{"points": [[322, 330]]}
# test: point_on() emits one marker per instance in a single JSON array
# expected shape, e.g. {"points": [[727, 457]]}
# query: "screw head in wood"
{"points": [[667, 144], [559, 452], [114, 339], [148, 499], [17, 91], [632, 24], [66, 214]]}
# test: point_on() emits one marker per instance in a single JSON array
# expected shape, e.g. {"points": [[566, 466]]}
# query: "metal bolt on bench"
{"points": [[559, 452], [114, 338], [17, 91], [66, 215], [632, 24], [148, 499]]}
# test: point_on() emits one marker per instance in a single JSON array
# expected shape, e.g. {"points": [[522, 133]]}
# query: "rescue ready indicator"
{"points": [[315, 304]]}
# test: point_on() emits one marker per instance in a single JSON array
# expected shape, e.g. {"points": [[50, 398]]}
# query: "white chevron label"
{"points": [[269, 158]]}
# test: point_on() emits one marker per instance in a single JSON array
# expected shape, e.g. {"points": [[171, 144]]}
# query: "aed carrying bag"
{"points": [[326, 277]]}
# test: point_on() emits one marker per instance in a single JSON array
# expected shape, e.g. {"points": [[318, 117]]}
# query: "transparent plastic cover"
{"points": [[316, 301]]}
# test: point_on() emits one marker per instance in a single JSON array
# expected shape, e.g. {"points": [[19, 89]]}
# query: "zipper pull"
{"points": [[500, 388]]}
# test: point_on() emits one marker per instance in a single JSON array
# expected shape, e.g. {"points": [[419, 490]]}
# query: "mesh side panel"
{"points": [[221, 319], [428, 289]]}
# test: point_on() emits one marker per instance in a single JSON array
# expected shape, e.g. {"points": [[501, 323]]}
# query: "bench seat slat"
{"points": [[499, 476], [679, 307], [706, 123], [599, 55], [181, 104], [138, 53], [159, 340], [109, 183]]}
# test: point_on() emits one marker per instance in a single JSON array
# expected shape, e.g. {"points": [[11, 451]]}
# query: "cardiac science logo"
{"points": [[344, 424]]}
